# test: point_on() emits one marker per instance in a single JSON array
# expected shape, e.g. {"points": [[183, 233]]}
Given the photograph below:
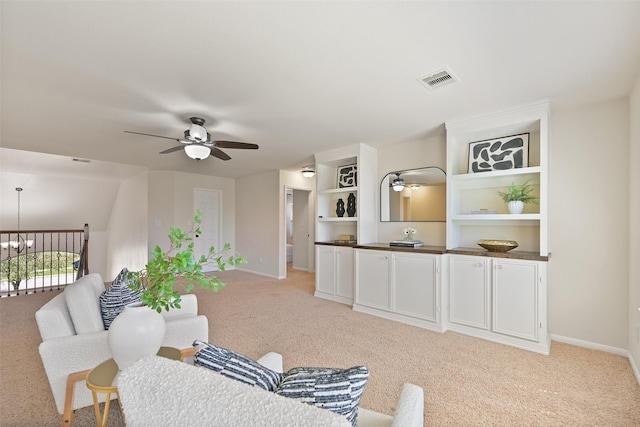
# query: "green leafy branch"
{"points": [[162, 274]]}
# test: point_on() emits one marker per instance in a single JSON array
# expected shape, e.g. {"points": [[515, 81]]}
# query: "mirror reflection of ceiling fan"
{"points": [[398, 184], [197, 142]]}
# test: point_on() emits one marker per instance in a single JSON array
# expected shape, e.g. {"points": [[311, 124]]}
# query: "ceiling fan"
{"points": [[398, 184], [197, 142]]}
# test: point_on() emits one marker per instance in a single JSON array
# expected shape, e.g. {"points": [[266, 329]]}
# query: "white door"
{"points": [[208, 202]]}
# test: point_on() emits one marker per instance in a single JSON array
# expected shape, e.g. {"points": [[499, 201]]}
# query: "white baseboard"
{"points": [[258, 273], [635, 368], [591, 345]]}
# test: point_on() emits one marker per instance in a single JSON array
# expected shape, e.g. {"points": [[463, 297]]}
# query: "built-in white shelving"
{"points": [[469, 192]]}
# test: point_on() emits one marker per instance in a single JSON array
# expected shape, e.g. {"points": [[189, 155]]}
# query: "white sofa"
{"points": [[158, 391], [74, 338]]}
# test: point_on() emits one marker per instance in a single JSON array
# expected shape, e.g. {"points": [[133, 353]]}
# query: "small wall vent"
{"points": [[438, 79]]}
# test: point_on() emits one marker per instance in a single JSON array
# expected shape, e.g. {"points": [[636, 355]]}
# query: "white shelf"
{"points": [[338, 219], [339, 190], [496, 178], [330, 227], [496, 217]]}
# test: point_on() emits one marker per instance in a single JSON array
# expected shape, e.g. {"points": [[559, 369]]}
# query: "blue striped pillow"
{"points": [[338, 390], [114, 299], [235, 366]]}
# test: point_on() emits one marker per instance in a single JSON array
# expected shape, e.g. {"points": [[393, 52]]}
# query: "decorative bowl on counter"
{"points": [[498, 245]]}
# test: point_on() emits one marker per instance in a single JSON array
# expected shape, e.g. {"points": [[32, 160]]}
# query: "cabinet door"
{"points": [[515, 298], [325, 269], [469, 291], [414, 281], [344, 272], [372, 287]]}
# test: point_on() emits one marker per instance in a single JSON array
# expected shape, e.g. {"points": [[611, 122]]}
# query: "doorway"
{"points": [[298, 244]]}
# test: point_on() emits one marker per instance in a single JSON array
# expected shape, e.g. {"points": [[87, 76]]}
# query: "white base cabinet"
{"points": [[401, 286], [335, 273], [500, 299]]}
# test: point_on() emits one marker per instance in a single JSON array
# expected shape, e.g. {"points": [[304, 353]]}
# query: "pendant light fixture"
{"points": [[20, 243]]}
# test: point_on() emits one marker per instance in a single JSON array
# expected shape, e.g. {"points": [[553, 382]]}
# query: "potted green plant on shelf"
{"points": [[517, 195]]}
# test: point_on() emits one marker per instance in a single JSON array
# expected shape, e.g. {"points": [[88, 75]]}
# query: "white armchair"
{"points": [[74, 339]]}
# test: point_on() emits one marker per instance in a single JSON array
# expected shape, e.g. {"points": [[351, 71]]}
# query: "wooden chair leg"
{"points": [[72, 379]]}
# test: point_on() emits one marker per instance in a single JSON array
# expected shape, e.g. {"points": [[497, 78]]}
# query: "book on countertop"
{"points": [[484, 211], [345, 242], [407, 243]]}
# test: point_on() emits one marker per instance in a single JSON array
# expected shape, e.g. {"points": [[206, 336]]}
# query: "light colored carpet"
{"points": [[467, 381]]}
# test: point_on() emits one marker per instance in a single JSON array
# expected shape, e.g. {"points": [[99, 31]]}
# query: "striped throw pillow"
{"points": [[338, 390], [114, 299], [235, 366]]}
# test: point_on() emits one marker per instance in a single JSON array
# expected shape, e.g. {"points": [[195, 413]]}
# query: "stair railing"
{"points": [[36, 260]]}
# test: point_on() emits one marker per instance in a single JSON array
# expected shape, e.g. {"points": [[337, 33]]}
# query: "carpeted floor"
{"points": [[467, 381]]}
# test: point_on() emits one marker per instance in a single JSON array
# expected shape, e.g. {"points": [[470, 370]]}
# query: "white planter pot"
{"points": [[137, 332], [516, 207]]}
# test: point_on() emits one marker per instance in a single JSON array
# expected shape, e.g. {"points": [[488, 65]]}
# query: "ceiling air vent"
{"points": [[438, 79]]}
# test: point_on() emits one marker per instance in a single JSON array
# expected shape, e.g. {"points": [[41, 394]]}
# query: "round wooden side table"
{"points": [[103, 379]]}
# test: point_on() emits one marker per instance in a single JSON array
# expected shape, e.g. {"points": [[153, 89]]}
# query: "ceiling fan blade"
{"points": [[148, 134], [219, 154], [233, 144], [172, 149]]}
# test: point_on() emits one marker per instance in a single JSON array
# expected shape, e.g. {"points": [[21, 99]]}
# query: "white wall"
{"points": [[260, 222], [634, 229], [589, 221], [128, 227], [411, 155], [54, 202]]}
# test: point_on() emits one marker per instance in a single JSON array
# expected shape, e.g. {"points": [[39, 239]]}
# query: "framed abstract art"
{"points": [[507, 152], [348, 176]]}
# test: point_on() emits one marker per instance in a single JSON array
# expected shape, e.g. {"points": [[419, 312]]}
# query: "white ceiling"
{"points": [[295, 77]]}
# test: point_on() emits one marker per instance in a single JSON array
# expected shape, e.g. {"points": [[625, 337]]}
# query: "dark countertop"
{"points": [[420, 249], [533, 256]]}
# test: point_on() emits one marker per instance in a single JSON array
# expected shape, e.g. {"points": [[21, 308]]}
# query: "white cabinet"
{"points": [[335, 273], [401, 286], [517, 305], [500, 299], [469, 291], [415, 280], [372, 278]]}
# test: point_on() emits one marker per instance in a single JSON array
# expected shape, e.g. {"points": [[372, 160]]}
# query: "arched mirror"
{"points": [[414, 195]]}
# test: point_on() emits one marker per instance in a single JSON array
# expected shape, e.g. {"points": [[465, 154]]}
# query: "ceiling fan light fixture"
{"points": [[308, 172], [397, 184], [197, 132], [197, 151]]}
